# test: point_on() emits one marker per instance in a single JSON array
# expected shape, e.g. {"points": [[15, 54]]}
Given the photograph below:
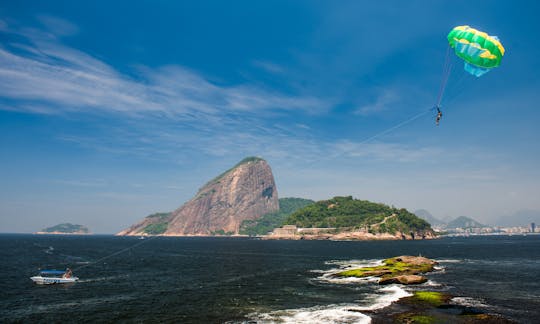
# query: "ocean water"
{"points": [[217, 280]]}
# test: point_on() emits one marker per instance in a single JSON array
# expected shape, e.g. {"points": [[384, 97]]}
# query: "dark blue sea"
{"points": [[217, 280]]}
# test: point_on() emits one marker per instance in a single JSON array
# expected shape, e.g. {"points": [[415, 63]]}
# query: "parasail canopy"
{"points": [[480, 51]]}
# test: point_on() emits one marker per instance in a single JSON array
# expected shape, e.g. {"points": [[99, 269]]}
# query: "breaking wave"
{"points": [[344, 313], [329, 275]]}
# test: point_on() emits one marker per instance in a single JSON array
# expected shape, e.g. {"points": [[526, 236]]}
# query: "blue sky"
{"points": [[112, 111]]}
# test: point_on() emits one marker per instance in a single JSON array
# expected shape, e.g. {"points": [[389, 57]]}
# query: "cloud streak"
{"points": [[385, 99], [42, 75]]}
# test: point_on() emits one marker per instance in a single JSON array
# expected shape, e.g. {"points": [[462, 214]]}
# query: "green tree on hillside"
{"points": [[346, 212]]}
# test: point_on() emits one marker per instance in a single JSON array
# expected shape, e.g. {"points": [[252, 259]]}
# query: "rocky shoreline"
{"points": [[423, 306], [427, 307], [62, 233], [352, 236]]}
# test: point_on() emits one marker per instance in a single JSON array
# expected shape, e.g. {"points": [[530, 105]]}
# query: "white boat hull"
{"points": [[52, 280]]}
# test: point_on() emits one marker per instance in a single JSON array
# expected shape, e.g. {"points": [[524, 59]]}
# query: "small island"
{"points": [[66, 228]]}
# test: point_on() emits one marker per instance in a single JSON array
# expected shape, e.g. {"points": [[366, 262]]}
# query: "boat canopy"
{"points": [[52, 272]]}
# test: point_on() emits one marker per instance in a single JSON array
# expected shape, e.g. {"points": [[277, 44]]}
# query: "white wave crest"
{"points": [[342, 313], [432, 283], [319, 314], [329, 275], [389, 295], [346, 280], [355, 263], [448, 260], [469, 301]]}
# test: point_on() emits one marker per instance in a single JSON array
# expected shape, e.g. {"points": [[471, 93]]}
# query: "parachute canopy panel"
{"points": [[480, 51]]}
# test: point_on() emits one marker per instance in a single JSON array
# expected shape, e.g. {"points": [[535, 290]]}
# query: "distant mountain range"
{"points": [[425, 215], [519, 218], [460, 222], [464, 222]]}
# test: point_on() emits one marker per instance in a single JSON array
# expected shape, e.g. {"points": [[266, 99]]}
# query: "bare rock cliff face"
{"points": [[247, 191]]}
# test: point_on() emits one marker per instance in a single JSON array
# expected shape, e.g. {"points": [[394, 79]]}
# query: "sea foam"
{"points": [[344, 313], [329, 275], [385, 297]]}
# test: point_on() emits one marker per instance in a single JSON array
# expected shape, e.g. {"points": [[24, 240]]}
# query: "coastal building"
{"points": [[533, 227], [285, 230], [315, 230]]}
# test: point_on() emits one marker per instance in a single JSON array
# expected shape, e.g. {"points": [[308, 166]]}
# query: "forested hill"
{"points": [[346, 212]]}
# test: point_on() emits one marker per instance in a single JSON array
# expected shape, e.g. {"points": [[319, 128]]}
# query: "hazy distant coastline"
{"points": [[65, 228]]}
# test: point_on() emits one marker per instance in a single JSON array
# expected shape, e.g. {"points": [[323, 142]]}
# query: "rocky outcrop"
{"points": [[434, 307], [403, 279], [245, 192], [404, 269]]}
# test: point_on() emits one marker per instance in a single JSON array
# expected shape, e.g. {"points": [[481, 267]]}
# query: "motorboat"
{"points": [[49, 277]]}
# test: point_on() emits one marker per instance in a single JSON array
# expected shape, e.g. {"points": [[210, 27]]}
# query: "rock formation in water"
{"points": [[245, 192], [404, 269]]}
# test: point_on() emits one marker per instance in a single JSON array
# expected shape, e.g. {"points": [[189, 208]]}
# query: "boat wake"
{"points": [[109, 278]]}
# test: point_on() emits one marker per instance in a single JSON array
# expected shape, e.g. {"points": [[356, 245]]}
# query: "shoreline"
{"points": [[333, 237], [60, 233]]}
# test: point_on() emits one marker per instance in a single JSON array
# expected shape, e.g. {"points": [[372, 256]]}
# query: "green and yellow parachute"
{"points": [[480, 51]]}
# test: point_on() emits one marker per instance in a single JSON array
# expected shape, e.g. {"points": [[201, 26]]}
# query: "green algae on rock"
{"points": [[403, 269], [433, 298], [426, 307]]}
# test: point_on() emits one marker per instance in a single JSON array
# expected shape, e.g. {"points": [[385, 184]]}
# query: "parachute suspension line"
{"points": [[384, 132], [447, 70], [457, 88], [115, 253], [405, 122]]}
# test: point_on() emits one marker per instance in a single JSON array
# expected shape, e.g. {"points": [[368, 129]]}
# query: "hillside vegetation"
{"points": [[269, 221], [349, 213], [158, 223], [67, 228]]}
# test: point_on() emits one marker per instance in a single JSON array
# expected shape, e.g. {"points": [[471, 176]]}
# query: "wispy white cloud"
{"points": [[58, 26], [269, 66], [44, 73], [83, 183], [382, 102]]}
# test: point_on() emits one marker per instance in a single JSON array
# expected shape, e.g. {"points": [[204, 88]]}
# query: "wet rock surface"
{"points": [[403, 269]]}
